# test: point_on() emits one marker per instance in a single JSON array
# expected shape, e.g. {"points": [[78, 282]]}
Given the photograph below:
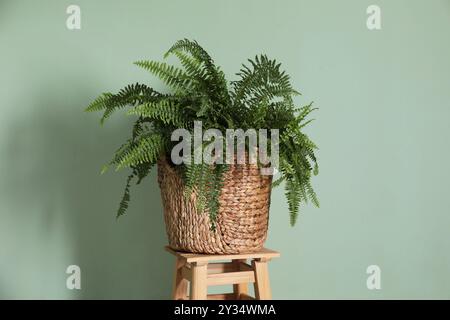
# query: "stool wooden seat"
{"points": [[203, 270]]}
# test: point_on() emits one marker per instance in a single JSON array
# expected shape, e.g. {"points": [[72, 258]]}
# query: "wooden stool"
{"points": [[203, 270]]}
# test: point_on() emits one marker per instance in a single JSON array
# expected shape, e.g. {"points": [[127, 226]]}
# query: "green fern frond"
{"points": [[118, 155], [147, 149], [191, 177], [277, 182], [128, 96], [193, 48], [212, 76], [138, 128], [316, 168], [99, 103], [293, 198], [190, 64], [263, 81], [166, 111], [123, 206], [214, 190], [202, 186], [312, 195], [172, 76], [142, 171]]}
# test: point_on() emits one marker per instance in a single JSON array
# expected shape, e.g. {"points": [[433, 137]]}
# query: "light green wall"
{"points": [[383, 129]]}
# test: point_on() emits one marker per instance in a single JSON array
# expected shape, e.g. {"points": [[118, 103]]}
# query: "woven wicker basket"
{"points": [[242, 219]]}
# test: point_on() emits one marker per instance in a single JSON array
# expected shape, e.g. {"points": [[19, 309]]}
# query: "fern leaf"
{"points": [[166, 111], [123, 206], [190, 64], [99, 103], [147, 149], [312, 195], [211, 75], [278, 181], [293, 198], [213, 193], [130, 95], [172, 76]]}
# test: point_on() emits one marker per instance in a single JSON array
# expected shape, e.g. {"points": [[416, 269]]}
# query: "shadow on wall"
{"points": [[3, 9], [61, 211]]}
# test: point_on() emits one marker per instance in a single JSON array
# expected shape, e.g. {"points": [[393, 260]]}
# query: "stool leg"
{"points": [[262, 284], [179, 289], [199, 284], [240, 288]]}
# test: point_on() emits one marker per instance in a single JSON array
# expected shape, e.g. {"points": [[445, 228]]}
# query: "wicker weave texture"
{"points": [[242, 219]]}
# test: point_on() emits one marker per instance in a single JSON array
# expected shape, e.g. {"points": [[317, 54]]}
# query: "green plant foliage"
{"points": [[261, 97], [167, 111]]}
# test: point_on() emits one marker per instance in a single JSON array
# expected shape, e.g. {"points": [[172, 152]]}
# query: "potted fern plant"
{"points": [[218, 207]]}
